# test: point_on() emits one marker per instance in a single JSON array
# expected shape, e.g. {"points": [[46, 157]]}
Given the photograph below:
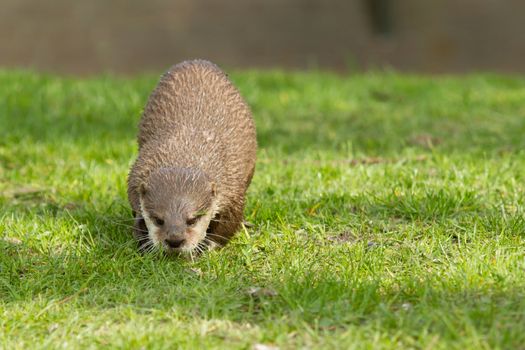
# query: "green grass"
{"points": [[388, 212]]}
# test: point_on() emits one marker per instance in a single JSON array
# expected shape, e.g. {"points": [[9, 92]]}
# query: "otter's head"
{"points": [[177, 205]]}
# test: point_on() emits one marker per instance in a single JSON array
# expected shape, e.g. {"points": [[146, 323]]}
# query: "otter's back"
{"points": [[195, 117], [195, 94]]}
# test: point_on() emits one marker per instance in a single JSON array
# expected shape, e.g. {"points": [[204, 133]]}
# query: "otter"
{"points": [[197, 151]]}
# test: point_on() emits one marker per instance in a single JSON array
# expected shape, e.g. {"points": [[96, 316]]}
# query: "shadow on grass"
{"points": [[75, 117], [384, 135], [45, 108]]}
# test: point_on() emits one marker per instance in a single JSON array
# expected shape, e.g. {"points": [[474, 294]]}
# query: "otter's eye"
{"points": [[158, 221], [192, 221]]}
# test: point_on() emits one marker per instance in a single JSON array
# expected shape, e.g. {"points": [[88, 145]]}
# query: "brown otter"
{"points": [[197, 150]]}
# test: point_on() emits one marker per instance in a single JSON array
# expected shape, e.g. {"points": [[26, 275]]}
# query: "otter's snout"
{"points": [[175, 242]]}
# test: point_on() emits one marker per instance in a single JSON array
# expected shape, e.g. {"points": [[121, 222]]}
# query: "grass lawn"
{"points": [[388, 212]]}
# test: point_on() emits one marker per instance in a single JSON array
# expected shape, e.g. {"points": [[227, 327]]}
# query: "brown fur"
{"points": [[195, 121]]}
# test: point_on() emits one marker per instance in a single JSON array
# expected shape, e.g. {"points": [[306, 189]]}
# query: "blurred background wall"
{"points": [[128, 36]]}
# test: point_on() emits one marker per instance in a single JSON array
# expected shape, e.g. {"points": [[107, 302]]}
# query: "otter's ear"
{"points": [[213, 189], [142, 189]]}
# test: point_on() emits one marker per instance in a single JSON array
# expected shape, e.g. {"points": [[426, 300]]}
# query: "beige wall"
{"points": [[81, 36], [459, 35]]}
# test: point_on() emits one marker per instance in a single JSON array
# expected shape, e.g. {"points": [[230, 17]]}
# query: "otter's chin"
{"points": [[146, 245], [186, 253]]}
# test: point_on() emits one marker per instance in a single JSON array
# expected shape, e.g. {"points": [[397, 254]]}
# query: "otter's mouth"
{"points": [[202, 246]]}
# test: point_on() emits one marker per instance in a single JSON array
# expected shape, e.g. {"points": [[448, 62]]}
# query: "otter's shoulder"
{"points": [[197, 64], [198, 67]]}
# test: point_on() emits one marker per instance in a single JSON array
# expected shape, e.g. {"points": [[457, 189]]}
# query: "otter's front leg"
{"points": [[224, 225]]}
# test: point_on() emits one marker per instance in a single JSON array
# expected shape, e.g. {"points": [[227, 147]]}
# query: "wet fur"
{"points": [[195, 118]]}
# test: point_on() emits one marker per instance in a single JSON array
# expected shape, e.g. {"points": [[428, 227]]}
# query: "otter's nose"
{"points": [[174, 242]]}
